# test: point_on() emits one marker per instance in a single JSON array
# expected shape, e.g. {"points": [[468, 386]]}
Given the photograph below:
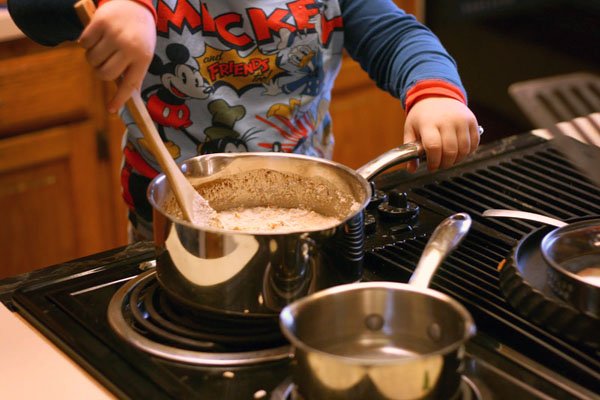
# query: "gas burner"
{"points": [[468, 390], [141, 314]]}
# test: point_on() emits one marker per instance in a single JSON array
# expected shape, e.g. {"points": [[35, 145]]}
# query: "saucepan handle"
{"points": [[390, 158], [395, 156], [523, 215], [445, 238]]}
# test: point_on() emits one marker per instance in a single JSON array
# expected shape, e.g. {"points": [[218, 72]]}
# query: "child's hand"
{"points": [[119, 42], [447, 129]]}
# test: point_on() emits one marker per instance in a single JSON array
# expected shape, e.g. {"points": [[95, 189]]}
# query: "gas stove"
{"points": [[108, 313]]}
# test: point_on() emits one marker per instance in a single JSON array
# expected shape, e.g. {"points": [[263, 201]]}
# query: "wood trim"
{"points": [[115, 130], [415, 7], [50, 144], [88, 204]]}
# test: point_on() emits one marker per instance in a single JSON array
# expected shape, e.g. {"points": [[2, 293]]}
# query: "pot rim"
{"points": [[552, 235], [290, 312], [157, 180]]}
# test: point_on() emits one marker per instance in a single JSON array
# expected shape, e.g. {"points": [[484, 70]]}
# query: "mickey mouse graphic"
{"points": [[166, 102], [221, 136]]}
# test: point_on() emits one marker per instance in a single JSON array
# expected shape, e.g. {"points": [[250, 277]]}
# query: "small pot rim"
{"points": [[158, 180], [556, 266], [291, 310]]}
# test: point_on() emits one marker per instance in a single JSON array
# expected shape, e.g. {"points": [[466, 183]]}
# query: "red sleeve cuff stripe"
{"points": [[145, 3], [432, 88]]}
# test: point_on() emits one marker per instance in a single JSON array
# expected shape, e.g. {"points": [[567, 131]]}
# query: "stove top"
{"points": [[102, 310], [72, 311]]}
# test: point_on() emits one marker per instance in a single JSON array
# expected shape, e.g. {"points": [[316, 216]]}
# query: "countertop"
{"points": [[34, 368]]}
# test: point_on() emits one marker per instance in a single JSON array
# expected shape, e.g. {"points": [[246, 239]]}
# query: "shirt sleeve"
{"points": [[398, 52], [47, 22], [51, 22]]}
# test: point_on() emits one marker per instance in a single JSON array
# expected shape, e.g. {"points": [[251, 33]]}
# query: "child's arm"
{"points": [[47, 22], [406, 59], [119, 41]]}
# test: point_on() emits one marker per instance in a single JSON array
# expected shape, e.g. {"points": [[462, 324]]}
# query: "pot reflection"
{"points": [[254, 275]]}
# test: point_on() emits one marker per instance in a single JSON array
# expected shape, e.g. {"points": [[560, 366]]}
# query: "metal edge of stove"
{"points": [[496, 358], [72, 269], [27, 307], [124, 330]]}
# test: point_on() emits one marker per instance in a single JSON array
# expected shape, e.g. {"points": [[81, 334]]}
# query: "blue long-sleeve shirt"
{"points": [[244, 75], [395, 49], [247, 75]]}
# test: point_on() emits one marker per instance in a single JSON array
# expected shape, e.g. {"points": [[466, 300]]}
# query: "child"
{"points": [[249, 75]]}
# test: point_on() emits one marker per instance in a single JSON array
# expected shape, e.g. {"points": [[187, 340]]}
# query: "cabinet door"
{"points": [[50, 208], [366, 120], [45, 88]]}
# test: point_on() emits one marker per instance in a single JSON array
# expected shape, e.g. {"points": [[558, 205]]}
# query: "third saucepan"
{"points": [[383, 340]]}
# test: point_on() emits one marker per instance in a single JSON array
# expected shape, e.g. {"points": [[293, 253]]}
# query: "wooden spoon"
{"points": [[194, 207]]}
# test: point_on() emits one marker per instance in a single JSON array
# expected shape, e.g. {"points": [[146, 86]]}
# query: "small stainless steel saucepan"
{"points": [[383, 340], [572, 252]]}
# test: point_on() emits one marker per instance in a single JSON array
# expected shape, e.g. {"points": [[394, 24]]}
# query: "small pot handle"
{"points": [[445, 238], [395, 156], [523, 215]]}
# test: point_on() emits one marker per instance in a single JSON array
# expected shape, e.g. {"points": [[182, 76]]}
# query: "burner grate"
{"points": [[543, 182], [152, 314]]}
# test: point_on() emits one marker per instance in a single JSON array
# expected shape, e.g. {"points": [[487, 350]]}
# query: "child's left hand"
{"points": [[447, 129]]}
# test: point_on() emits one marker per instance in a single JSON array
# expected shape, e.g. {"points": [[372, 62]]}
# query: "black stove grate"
{"points": [[543, 182], [152, 314]]}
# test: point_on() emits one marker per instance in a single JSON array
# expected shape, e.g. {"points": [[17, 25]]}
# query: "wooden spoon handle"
{"points": [[182, 189]]}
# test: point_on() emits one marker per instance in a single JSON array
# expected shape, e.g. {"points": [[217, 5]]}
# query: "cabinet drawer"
{"points": [[45, 89], [50, 203]]}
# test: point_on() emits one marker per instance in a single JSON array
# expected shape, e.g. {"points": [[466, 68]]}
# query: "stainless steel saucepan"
{"points": [[255, 274], [383, 340], [572, 252]]}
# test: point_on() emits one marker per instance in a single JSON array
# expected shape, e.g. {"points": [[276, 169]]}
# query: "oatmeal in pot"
{"points": [[274, 219], [273, 202]]}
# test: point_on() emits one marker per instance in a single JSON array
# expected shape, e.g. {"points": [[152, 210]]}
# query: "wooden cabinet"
{"points": [[59, 188], [366, 120]]}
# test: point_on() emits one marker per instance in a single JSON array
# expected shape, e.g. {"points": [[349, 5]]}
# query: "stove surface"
{"points": [[72, 312], [510, 357]]}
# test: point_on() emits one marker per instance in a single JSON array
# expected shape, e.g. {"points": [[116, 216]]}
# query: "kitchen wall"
{"points": [[499, 42]]}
